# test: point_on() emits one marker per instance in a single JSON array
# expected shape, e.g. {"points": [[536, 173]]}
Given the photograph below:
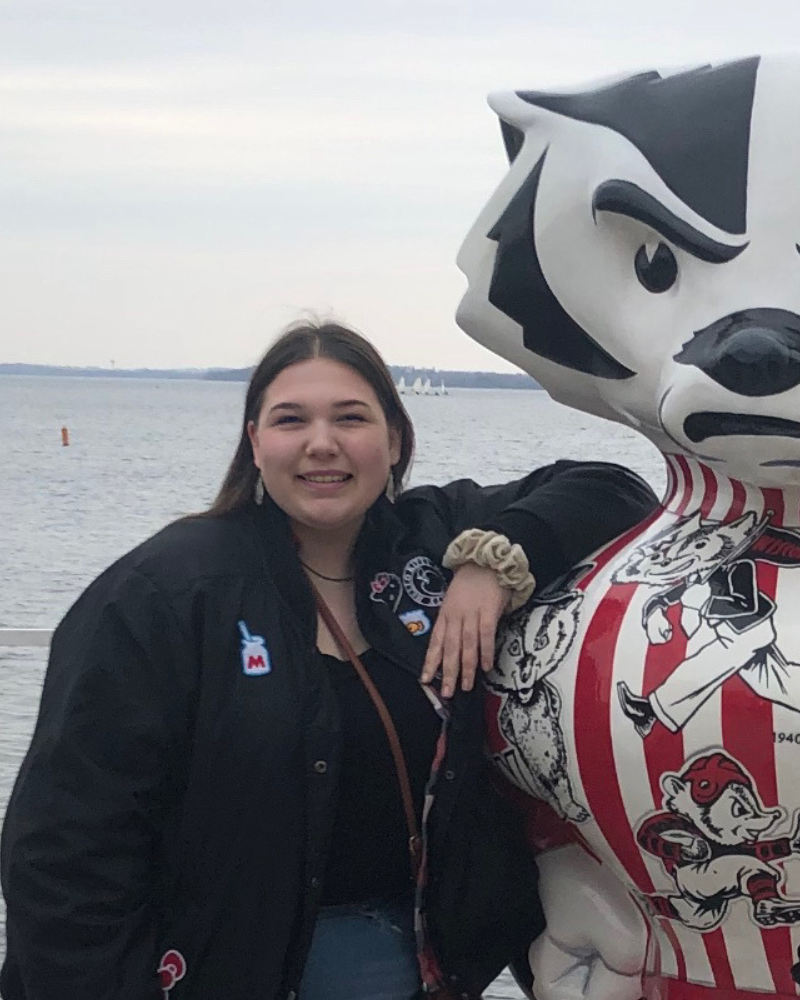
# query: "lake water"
{"points": [[143, 452]]}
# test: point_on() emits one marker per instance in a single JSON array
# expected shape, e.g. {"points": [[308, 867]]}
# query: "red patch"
{"points": [[171, 968]]}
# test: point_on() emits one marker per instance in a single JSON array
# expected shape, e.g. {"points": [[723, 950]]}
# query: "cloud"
{"points": [[175, 169]]}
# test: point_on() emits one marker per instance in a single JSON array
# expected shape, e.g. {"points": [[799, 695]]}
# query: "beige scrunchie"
{"points": [[495, 551]]}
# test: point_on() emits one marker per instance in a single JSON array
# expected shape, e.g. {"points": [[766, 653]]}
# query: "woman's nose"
{"points": [[322, 438]]}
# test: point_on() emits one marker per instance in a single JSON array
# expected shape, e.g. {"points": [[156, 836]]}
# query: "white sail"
{"points": [[401, 385], [442, 390], [426, 387], [417, 386]]}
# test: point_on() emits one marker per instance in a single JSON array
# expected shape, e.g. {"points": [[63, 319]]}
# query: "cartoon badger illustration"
{"points": [[710, 840], [531, 648], [641, 259]]}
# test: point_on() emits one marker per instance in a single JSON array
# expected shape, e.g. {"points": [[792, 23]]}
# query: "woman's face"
{"points": [[323, 445]]}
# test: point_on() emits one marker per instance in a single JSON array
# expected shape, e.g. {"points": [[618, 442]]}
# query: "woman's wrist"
{"points": [[495, 552]]}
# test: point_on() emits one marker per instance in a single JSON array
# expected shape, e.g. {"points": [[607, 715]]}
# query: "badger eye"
{"points": [[656, 267]]}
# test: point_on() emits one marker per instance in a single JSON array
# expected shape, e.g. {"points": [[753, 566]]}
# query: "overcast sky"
{"points": [[180, 178]]}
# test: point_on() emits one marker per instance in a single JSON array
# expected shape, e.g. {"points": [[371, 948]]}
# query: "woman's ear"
{"points": [[252, 434]]}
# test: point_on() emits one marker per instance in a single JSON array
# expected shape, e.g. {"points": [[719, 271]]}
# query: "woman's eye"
{"points": [[287, 418], [656, 267], [357, 417]]}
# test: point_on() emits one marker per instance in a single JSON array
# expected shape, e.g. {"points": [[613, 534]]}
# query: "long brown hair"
{"points": [[302, 342]]}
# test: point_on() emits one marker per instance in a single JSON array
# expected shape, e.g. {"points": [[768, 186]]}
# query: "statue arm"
{"points": [[595, 943]]}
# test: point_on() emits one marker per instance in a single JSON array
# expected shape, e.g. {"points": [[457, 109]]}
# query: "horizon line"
{"points": [[243, 368]]}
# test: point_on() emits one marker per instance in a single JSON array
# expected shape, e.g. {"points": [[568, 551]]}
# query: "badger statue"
{"points": [[642, 260]]}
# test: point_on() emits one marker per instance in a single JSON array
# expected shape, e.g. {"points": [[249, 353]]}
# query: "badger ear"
{"points": [[672, 785], [522, 111], [516, 118]]}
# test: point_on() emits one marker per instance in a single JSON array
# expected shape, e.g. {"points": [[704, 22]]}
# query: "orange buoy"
{"points": [[64, 437]]}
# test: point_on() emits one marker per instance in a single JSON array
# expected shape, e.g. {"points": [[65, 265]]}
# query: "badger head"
{"points": [[641, 259]]}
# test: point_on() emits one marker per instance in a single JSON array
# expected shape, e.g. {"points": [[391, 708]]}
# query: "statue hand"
{"points": [[595, 944]]}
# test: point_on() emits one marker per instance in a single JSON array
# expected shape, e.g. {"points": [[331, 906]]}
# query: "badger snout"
{"points": [[753, 353]]}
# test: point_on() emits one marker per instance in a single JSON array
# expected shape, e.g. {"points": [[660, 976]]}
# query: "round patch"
{"points": [[424, 582]]}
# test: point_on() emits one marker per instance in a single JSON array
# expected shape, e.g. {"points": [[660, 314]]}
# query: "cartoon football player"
{"points": [[530, 649], [708, 568], [709, 839]]}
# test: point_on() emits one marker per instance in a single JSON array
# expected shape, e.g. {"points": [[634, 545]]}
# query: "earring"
{"points": [[259, 491]]}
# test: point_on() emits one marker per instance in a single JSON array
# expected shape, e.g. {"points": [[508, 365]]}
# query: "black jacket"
{"points": [[179, 791]]}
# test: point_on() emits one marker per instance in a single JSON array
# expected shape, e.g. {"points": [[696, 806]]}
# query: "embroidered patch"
{"points": [[385, 588], [416, 621], [424, 582], [171, 969], [255, 658]]}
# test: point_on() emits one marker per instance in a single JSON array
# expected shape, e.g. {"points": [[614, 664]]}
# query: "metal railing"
{"points": [[25, 637]]}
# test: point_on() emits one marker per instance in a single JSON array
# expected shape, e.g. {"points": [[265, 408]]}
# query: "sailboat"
{"points": [[416, 388], [426, 387], [401, 386]]}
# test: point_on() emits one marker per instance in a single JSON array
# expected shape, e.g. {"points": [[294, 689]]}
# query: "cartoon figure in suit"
{"points": [[708, 568]]}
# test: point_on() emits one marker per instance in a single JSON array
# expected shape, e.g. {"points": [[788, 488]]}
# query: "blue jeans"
{"points": [[363, 951]]}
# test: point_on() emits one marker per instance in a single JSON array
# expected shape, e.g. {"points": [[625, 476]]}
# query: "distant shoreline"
{"points": [[451, 379]]}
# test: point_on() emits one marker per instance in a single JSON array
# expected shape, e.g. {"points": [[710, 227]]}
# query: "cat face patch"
{"points": [[386, 588]]}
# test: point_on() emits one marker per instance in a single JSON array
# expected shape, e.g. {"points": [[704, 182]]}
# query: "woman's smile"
{"points": [[328, 481]]}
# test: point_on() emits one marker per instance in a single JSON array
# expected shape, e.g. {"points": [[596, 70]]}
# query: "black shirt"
{"points": [[369, 851]]}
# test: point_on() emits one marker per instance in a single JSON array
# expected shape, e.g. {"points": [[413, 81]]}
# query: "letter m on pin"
{"points": [[255, 657]]}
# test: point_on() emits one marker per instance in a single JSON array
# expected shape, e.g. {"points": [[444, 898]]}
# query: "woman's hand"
{"points": [[463, 635]]}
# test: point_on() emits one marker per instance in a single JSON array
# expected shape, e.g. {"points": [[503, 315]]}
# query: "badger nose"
{"points": [[753, 353]]}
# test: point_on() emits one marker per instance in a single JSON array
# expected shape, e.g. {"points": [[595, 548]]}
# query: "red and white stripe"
{"points": [[618, 774]]}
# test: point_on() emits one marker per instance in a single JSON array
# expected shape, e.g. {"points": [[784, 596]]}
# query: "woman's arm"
{"points": [[558, 515], [85, 820]]}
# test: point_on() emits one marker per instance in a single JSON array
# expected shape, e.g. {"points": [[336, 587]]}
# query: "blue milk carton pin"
{"points": [[255, 658]]}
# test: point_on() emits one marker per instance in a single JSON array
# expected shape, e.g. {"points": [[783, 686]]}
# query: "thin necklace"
{"points": [[330, 579]]}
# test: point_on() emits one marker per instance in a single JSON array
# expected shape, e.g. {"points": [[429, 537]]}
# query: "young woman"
{"points": [[209, 807]]}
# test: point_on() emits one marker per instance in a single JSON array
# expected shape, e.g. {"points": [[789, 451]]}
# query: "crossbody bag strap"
{"points": [[344, 644]]}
